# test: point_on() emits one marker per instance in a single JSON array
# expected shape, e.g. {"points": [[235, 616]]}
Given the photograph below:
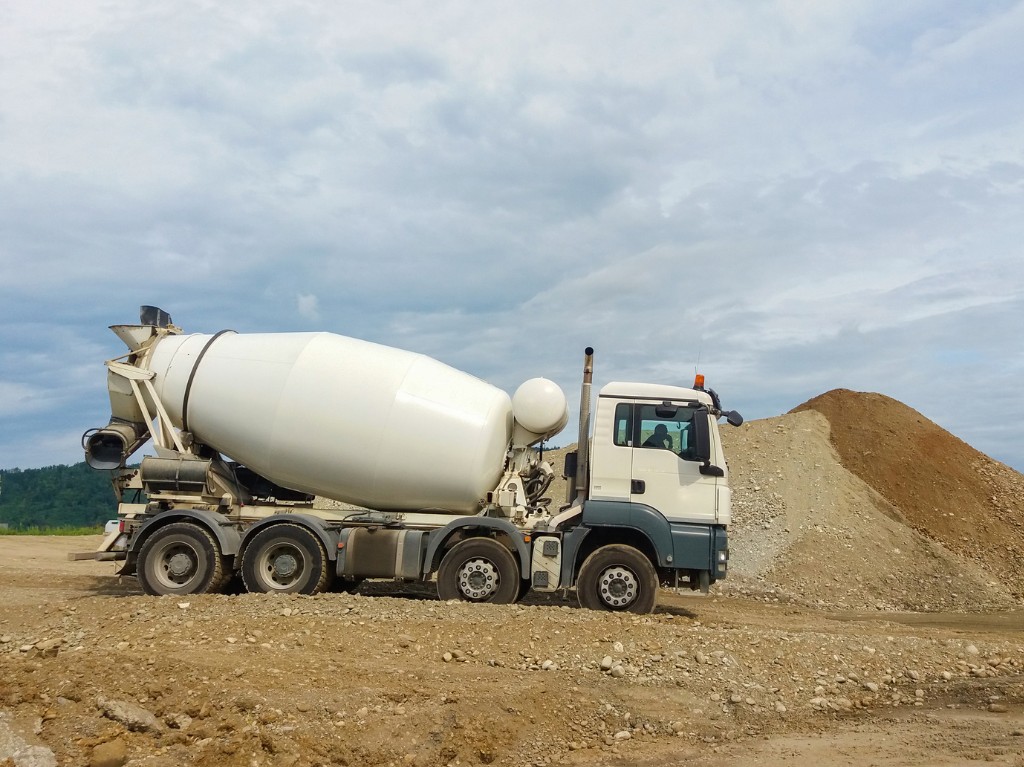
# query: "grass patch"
{"points": [[97, 530]]}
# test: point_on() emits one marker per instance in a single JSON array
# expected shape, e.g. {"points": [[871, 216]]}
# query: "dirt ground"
{"points": [[872, 615], [99, 674]]}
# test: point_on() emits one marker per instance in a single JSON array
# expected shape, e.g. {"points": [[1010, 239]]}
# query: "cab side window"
{"points": [[624, 425], [662, 431]]}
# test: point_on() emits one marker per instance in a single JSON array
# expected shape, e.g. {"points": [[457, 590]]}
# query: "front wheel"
{"points": [[180, 559], [479, 570], [286, 559], [619, 578]]}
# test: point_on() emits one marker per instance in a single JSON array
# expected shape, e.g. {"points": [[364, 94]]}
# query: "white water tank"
{"points": [[339, 417]]}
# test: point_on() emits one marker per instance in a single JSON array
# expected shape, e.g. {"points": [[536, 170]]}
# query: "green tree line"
{"points": [[56, 496]]}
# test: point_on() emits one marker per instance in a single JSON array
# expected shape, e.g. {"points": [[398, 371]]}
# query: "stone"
{"points": [[113, 753], [48, 648], [135, 718], [623, 735], [15, 750], [607, 663], [618, 648], [178, 721], [997, 708], [618, 672]]}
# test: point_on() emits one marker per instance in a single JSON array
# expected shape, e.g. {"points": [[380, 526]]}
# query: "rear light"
{"points": [[120, 526]]}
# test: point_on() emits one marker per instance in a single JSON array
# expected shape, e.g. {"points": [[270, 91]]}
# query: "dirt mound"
{"points": [[807, 530], [813, 524], [941, 486]]}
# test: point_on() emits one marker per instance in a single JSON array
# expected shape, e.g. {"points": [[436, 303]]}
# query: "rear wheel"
{"points": [[617, 578], [286, 559], [181, 558], [479, 570]]}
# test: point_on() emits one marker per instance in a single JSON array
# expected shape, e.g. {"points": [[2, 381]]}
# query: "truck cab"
{"points": [[651, 501], [645, 450]]}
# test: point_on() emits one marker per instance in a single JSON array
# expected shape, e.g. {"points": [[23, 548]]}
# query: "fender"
{"points": [[678, 545], [216, 524], [440, 536], [328, 536], [637, 516]]}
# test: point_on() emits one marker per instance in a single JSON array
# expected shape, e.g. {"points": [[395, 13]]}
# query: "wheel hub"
{"points": [[618, 586], [478, 579], [282, 565], [285, 566], [180, 565]]}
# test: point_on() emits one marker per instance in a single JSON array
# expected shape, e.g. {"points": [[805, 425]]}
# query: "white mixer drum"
{"points": [[339, 417]]}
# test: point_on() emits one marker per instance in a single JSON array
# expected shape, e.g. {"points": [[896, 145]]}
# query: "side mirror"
{"points": [[701, 436], [733, 418]]}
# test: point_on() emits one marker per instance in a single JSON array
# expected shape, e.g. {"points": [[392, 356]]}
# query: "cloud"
{"points": [[308, 306], [797, 195]]}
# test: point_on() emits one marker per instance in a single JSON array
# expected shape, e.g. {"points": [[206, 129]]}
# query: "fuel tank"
{"points": [[339, 417]]}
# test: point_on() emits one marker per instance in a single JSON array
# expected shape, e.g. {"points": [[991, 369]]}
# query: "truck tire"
{"points": [[618, 578], [181, 558], [479, 570], [285, 559]]}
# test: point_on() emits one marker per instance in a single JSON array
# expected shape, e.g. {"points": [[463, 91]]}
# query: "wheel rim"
{"points": [[618, 587], [477, 579], [282, 566], [177, 564]]}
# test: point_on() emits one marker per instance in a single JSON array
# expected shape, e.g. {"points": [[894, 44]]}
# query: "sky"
{"points": [[792, 197]]}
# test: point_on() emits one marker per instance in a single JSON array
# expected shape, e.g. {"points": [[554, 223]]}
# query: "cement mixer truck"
{"points": [[440, 475]]}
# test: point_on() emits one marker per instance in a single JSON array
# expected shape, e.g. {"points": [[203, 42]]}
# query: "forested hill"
{"points": [[56, 496]]}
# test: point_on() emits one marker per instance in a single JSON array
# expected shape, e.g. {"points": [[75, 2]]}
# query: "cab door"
{"points": [[611, 450], [665, 470]]}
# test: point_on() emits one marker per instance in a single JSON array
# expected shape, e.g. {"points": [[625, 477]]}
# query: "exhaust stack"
{"points": [[583, 443]]}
